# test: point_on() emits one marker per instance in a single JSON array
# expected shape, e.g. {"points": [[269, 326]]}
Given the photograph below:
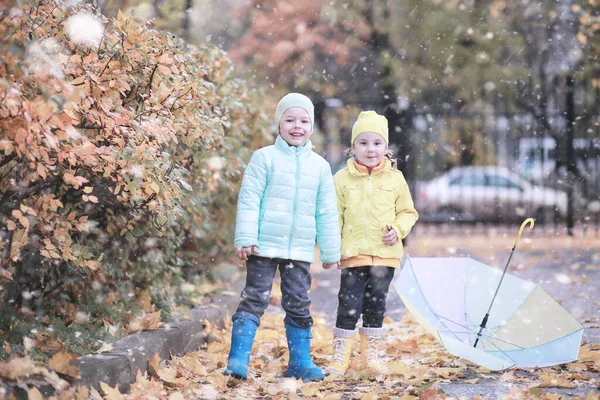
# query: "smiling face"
{"points": [[295, 126], [369, 148]]}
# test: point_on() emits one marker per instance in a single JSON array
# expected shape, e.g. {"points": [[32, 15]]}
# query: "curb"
{"points": [[131, 354], [119, 367]]}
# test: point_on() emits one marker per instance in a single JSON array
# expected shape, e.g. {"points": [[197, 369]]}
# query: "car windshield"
{"points": [[468, 179], [501, 181]]}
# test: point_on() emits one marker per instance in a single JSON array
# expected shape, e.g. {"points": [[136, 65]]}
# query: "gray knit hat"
{"points": [[295, 100]]}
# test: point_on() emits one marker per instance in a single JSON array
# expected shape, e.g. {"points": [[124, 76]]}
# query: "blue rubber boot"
{"points": [[301, 366], [242, 337]]}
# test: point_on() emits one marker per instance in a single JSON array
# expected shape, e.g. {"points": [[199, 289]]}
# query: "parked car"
{"points": [[487, 193]]}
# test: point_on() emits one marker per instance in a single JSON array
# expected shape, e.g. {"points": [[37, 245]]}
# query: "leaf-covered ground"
{"points": [[416, 365]]}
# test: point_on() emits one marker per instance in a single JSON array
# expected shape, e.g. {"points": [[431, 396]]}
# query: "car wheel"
{"points": [[450, 213]]}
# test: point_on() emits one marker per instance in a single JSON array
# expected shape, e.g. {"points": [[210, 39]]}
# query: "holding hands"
{"points": [[391, 237], [244, 252], [331, 265]]}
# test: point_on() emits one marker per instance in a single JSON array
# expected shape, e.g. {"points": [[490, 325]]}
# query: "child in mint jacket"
{"points": [[286, 203]]}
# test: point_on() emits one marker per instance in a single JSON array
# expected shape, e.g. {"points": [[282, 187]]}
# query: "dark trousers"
{"points": [[363, 291], [295, 284]]}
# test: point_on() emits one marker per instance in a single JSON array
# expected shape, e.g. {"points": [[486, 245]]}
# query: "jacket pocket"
{"points": [[384, 202], [352, 195]]}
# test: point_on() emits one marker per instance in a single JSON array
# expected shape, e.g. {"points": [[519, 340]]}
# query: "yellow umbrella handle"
{"points": [[487, 314], [523, 225]]}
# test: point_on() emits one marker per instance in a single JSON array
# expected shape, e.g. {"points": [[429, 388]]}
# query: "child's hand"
{"points": [[331, 265], [390, 238], [244, 252]]}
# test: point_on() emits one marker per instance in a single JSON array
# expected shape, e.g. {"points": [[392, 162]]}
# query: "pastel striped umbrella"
{"points": [[487, 316]]}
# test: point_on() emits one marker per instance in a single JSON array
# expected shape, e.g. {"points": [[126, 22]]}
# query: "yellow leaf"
{"points": [[164, 59], [167, 374], [81, 179], [70, 179], [144, 322], [398, 368], [310, 390], [446, 372], [10, 225], [88, 189], [7, 146], [164, 69], [18, 368], [41, 171], [34, 394], [7, 275], [92, 265], [16, 214], [28, 210], [145, 301], [25, 222], [93, 199], [77, 81], [154, 363], [555, 381], [54, 254], [71, 215], [60, 363], [110, 393], [106, 347]]}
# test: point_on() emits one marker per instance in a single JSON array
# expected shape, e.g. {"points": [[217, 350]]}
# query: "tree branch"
{"points": [[7, 159]]}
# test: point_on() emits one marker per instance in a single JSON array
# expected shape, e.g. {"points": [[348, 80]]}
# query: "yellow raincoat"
{"points": [[366, 204]]}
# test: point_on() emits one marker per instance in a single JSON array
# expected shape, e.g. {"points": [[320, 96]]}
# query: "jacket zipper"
{"points": [[295, 202], [368, 213]]}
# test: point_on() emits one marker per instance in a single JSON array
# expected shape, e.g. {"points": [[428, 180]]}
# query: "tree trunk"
{"points": [[186, 20], [572, 173], [398, 120]]}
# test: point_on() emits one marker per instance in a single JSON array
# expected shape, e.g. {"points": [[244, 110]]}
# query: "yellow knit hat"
{"points": [[370, 121]]}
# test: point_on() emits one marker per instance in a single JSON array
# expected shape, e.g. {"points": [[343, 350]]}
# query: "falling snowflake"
{"points": [[84, 29]]}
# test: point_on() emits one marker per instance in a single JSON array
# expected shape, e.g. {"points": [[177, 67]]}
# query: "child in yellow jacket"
{"points": [[376, 212]]}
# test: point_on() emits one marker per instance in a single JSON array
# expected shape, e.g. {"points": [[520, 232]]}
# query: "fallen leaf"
{"points": [[145, 322], [34, 394], [110, 393], [60, 363], [555, 381]]}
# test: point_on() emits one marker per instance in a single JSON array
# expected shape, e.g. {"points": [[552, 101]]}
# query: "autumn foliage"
{"points": [[301, 44], [119, 160]]}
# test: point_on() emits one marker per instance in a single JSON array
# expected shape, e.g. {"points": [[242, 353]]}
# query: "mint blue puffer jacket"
{"points": [[287, 201]]}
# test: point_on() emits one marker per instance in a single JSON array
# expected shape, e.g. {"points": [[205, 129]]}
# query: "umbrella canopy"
{"points": [[524, 326]]}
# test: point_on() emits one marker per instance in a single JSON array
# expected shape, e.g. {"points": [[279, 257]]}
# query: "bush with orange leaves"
{"points": [[120, 156]]}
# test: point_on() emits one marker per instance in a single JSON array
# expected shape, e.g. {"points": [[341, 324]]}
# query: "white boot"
{"points": [[343, 341], [370, 340]]}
